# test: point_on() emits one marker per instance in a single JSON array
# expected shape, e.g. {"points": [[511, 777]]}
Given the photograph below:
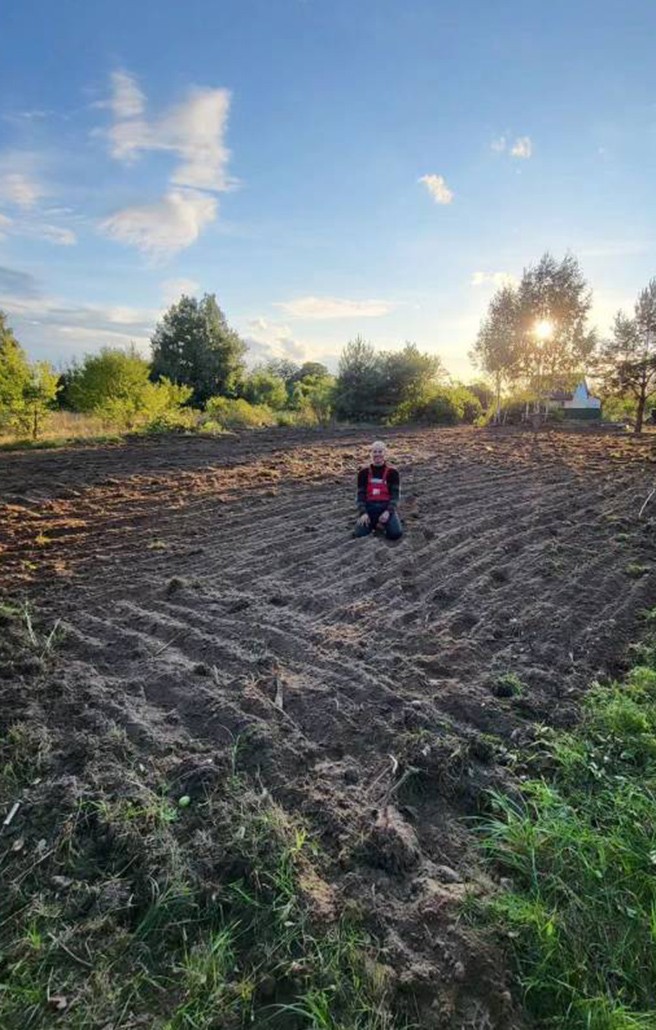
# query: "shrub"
{"points": [[439, 405], [181, 420], [239, 414]]}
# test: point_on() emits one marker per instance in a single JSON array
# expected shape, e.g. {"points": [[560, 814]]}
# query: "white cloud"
{"points": [[127, 99], [522, 147], [194, 130], [438, 189], [267, 339], [335, 307], [165, 227], [44, 322], [495, 279], [5, 222], [18, 188], [173, 289], [55, 234]]}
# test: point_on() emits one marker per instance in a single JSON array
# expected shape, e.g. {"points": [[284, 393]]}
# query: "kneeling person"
{"points": [[378, 496]]}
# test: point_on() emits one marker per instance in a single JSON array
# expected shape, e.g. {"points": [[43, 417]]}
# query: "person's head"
{"points": [[378, 452]]}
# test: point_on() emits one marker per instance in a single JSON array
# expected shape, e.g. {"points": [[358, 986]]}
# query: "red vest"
{"points": [[378, 489]]}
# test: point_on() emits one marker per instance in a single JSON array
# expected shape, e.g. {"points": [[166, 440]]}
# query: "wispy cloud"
{"points": [[269, 339], [335, 307], [127, 100], [438, 189], [20, 189], [522, 148], [17, 283], [56, 234], [42, 321], [495, 279], [5, 223], [194, 131], [165, 227]]}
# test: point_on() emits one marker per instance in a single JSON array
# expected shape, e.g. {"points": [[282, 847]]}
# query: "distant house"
{"points": [[570, 394]]}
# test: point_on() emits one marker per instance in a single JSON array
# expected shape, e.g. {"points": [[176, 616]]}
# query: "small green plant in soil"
{"points": [[123, 907], [509, 685], [578, 850], [635, 569]]}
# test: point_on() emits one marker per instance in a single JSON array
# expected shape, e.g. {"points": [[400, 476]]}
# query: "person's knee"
{"points": [[394, 532]]}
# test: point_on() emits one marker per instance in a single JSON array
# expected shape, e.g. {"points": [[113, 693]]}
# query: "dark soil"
{"points": [[211, 592]]}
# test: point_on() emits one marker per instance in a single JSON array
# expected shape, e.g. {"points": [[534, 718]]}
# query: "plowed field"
{"points": [[212, 587]]}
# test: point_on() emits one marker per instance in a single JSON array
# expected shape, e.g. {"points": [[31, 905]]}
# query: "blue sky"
{"points": [[325, 167]]}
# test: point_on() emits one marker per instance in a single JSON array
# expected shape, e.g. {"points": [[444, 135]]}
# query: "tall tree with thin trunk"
{"points": [[496, 347], [627, 362], [554, 339]]}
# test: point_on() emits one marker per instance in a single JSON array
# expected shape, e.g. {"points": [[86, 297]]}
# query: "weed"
{"points": [[635, 569], [580, 852], [509, 685], [194, 918]]}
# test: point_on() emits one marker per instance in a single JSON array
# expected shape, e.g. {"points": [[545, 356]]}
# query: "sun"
{"points": [[543, 329]]}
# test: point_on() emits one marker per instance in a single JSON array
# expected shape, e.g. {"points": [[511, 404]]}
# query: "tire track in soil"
{"points": [[510, 563]]}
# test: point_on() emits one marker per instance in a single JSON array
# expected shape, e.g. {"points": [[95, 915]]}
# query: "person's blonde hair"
{"points": [[378, 445]]}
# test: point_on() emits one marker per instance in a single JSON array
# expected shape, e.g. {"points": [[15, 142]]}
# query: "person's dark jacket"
{"points": [[393, 482]]}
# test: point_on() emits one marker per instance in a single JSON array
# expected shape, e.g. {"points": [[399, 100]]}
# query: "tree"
{"points": [[627, 362], [284, 368], [15, 378], [316, 394], [496, 347], [39, 395], [311, 370], [263, 387], [194, 345], [359, 380], [482, 389], [554, 302], [407, 374], [115, 384], [538, 330]]}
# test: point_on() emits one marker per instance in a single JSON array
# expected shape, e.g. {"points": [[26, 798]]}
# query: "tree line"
{"points": [[535, 334]]}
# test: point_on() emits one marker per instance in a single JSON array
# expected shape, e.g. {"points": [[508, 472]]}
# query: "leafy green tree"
{"points": [[193, 345], [262, 387], [439, 404], [496, 350], [538, 330], [553, 295], [626, 363], [359, 381], [115, 385], [39, 395], [408, 373], [311, 370], [485, 393], [14, 377], [284, 368], [315, 394]]}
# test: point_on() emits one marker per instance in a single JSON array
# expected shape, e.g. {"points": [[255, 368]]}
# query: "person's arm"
{"points": [[362, 491], [394, 485]]}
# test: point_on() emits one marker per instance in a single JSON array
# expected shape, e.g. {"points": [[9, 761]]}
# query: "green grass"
{"points": [[121, 907], [578, 850]]}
